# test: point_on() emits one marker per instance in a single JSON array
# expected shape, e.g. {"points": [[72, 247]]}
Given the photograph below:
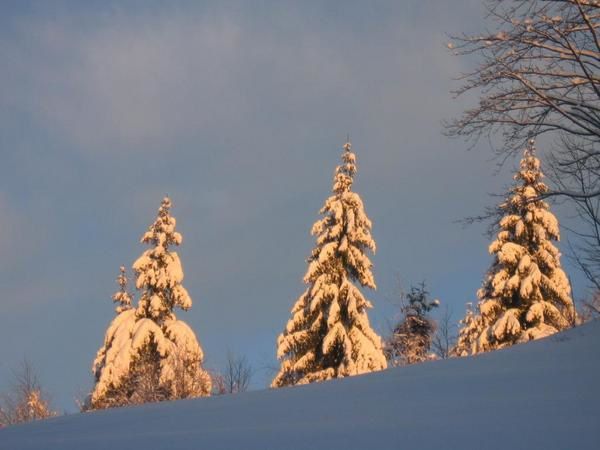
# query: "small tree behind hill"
{"points": [[444, 339], [412, 337], [26, 401]]}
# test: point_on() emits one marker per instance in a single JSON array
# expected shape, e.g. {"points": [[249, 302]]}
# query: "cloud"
{"points": [[14, 248], [117, 87], [21, 247], [8, 222], [150, 81]]}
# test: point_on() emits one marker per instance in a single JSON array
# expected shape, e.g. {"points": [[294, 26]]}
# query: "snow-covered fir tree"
{"points": [[148, 354], [411, 338], [526, 295], [470, 329], [122, 296], [329, 335]]}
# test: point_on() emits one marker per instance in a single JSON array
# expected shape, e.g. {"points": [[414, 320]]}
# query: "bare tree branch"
{"points": [[445, 337], [538, 73], [237, 374]]}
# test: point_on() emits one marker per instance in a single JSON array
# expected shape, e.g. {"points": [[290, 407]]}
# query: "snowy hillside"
{"points": [[540, 395]]}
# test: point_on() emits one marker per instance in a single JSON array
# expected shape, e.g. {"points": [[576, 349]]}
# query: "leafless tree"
{"points": [[238, 374], [570, 174], [590, 308], [26, 400], [218, 383], [444, 339], [538, 73]]}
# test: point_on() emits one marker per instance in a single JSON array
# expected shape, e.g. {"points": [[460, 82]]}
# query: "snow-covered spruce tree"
{"points": [[149, 355], [411, 339], [526, 295], [109, 393], [122, 296], [329, 335], [471, 327]]}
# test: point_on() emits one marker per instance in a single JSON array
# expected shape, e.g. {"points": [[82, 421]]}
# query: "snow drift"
{"points": [[540, 395]]}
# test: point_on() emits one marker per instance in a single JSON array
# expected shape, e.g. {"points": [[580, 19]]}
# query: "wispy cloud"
{"points": [[148, 81]]}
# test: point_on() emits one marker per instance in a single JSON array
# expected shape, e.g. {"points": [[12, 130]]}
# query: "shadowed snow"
{"points": [[540, 395]]}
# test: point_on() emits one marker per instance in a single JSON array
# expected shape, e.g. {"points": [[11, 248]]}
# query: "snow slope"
{"points": [[540, 395]]}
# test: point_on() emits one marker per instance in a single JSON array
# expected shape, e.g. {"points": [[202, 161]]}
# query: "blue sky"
{"points": [[239, 114]]}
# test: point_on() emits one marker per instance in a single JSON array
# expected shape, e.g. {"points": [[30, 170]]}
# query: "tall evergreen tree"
{"points": [[149, 355], [329, 335], [526, 295], [411, 339]]}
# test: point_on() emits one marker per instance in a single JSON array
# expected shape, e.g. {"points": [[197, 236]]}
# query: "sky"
{"points": [[239, 114]]}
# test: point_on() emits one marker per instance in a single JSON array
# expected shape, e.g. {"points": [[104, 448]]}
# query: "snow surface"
{"points": [[541, 395]]}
